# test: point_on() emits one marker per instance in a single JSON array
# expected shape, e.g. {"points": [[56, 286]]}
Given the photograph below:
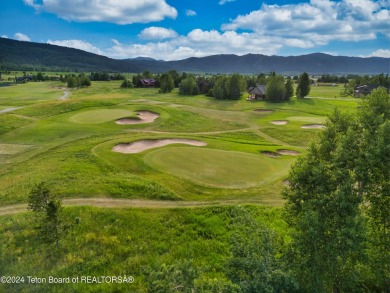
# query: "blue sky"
{"points": [[178, 29]]}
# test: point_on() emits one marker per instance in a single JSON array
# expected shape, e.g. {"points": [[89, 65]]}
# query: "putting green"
{"points": [[100, 116], [218, 168]]}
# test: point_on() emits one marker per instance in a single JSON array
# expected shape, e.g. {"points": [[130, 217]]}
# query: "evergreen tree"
{"points": [[303, 88], [289, 89], [49, 214]]}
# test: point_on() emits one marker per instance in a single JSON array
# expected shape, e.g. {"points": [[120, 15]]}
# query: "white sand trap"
{"points": [[313, 126], [143, 145], [279, 122], [143, 117], [288, 152], [270, 154]]}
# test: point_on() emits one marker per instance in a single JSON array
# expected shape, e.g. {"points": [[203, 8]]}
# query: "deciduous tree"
{"points": [[166, 83], [342, 181]]}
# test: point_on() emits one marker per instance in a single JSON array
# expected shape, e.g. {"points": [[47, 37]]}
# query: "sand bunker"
{"points": [[270, 154], [288, 152], [263, 110], [143, 145], [313, 126], [143, 117], [279, 122]]}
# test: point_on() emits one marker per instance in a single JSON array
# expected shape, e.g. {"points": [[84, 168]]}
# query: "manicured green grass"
{"points": [[100, 116], [72, 142], [217, 168]]}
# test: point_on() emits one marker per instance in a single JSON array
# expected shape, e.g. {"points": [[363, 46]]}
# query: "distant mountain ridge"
{"points": [[17, 53]]}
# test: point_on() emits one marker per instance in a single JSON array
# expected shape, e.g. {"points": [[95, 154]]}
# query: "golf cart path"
{"points": [[65, 96], [135, 203]]}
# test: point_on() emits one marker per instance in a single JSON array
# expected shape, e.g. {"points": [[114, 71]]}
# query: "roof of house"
{"points": [[363, 87], [257, 90], [147, 81]]}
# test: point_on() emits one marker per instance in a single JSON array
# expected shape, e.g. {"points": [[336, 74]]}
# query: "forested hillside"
{"points": [[16, 55]]}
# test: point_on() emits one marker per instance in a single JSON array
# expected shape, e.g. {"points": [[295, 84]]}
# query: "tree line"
{"points": [[226, 87]]}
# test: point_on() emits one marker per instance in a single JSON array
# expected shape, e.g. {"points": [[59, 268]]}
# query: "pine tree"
{"points": [[303, 88]]}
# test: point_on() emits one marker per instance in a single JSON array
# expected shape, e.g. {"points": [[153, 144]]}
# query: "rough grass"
{"points": [[110, 242]]}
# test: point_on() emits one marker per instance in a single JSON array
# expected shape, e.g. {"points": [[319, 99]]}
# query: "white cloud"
{"points": [[380, 53], [190, 12], [4, 36], [157, 33], [317, 23], [21, 37], [223, 2], [113, 11], [77, 44], [197, 43]]}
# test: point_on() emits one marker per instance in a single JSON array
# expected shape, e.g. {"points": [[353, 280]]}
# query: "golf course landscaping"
{"points": [[152, 178]]}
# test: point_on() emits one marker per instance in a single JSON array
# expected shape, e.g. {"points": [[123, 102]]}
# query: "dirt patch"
{"points": [[143, 117], [288, 152], [313, 126], [270, 154], [263, 110], [143, 145], [286, 183], [279, 122]]}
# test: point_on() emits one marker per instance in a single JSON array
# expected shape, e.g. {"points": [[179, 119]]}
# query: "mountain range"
{"points": [[19, 54]]}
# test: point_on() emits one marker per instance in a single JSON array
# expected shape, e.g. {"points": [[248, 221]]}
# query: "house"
{"points": [[363, 90], [23, 79], [257, 92], [147, 82], [204, 86]]}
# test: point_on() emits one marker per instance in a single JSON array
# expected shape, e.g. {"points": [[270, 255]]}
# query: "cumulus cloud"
{"points": [[190, 12], [380, 53], [4, 36], [21, 37], [77, 44], [157, 33], [113, 11], [317, 23], [197, 43]]}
